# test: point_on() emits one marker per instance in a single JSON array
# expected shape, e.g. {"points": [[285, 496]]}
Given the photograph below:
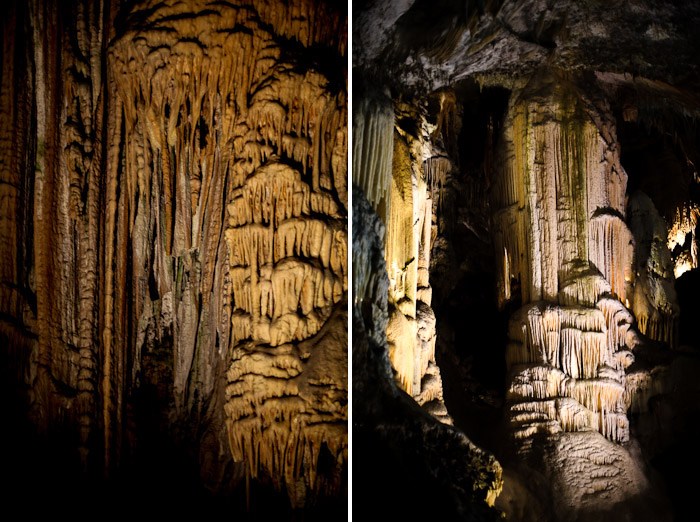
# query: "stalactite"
{"points": [[535, 382], [573, 416], [544, 165], [685, 222], [185, 197], [50, 177], [402, 245], [445, 126], [436, 170], [365, 282], [619, 320], [373, 149], [611, 251], [584, 288]]}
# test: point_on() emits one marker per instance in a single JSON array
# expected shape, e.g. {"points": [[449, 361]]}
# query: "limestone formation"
{"points": [[654, 299], [175, 242], [559, 220], [685, 223], [412, 451], [557, 142]]}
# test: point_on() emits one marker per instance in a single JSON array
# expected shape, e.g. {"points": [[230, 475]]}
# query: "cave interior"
{"points": [[529, 175]]}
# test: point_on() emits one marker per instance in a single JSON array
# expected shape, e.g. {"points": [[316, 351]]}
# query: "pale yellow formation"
{"points": [[277, 298], [373, 146], [559, 204], [411, 328], [685, 223], [561, 240], [391, 168]]}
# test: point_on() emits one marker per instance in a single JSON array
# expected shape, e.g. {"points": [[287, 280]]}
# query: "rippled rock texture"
{"points": [[174, 238]]}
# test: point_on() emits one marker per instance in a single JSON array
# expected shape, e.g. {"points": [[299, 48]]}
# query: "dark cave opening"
{"points": [[471, 330]]}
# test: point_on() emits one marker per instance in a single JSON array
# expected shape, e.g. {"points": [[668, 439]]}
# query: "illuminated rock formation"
{"points": [[373, 146], [412, 452], [179, 194], [685, 223], [654, 299], [559, 220], [535, 125], [388, 166]]}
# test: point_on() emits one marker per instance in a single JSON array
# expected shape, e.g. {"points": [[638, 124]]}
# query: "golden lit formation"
{"points": [[227, 238]]}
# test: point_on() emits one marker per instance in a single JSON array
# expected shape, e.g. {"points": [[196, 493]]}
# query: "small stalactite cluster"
{"points": [[683, 233], [372, 150], [562, 242], [436, 170]]}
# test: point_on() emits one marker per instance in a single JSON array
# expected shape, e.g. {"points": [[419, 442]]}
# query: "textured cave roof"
{"points": [[423, 45]]}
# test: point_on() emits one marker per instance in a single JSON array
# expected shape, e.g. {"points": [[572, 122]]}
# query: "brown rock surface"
{"points": [[174, 237]]}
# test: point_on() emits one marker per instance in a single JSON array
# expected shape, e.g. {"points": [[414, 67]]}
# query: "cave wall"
{"points": [[398, 170], [401, 450], [589, 182], [174, 247]]}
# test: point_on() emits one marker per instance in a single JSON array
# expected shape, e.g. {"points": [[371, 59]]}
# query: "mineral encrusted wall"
{"points": [[402, 451], [393, 167], [174, 239]]}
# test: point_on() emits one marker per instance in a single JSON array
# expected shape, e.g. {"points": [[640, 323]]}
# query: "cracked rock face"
{"points": [[177, 227], [423, 45]]}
